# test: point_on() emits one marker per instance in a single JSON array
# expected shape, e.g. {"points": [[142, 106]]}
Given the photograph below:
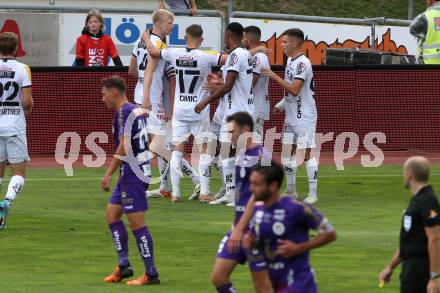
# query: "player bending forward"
{"points": [[15, 102], [130, 128]]}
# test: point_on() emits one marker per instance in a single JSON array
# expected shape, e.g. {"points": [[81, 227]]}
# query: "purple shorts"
{"points": [[284, 279], [239, 256], [130, 195], [302, 281]]}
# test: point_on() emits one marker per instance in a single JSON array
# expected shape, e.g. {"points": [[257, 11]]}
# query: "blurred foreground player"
{"points": [[279, 236], [130, 129], [419, 235], [15, 102], [230, 252], [301, 114]]}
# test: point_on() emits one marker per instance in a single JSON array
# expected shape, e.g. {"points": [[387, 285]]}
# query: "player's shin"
{"points": [[14, 188], [164, 174], [312, 174], [290, 170], [175, 172], [205, 173], [229, 177], [189, 171], [145, 246], [120, 238]]}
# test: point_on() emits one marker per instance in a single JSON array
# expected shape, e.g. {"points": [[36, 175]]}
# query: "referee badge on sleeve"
{"points": [[407, 222]]}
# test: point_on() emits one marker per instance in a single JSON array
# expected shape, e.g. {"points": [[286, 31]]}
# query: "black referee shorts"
{"points": [[415, 275]]}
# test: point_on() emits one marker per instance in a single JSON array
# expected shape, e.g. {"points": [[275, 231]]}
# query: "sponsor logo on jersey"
{"points": [[96, 56], [256, 61], [301, 68], [233, 59]]}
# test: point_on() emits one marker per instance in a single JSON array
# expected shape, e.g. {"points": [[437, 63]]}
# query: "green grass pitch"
{"points": [[58, 241]]}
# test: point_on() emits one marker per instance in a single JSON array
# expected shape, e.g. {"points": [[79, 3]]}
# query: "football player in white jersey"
{"points": [[192, 68], [238, 90], [15, 102], [162, 26], [301, 114], [251, 40], [153, 101]]}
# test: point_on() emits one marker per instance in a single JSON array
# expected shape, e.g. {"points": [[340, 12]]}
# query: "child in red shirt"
{"points": [[93, 47]]}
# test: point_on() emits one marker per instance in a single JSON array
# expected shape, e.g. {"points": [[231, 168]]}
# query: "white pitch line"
{"points": [[320, 176]]}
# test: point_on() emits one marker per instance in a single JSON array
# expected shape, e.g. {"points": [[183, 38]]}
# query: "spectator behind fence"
{"points": [[93, 48], [426, 27], [179, 4]]}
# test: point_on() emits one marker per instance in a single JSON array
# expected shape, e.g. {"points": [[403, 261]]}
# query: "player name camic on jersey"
{"points": [[192, 67]]}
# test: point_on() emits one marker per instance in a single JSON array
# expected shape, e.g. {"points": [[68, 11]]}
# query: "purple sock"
{"points": [[227, 288], [145, 246], [120, 238]]}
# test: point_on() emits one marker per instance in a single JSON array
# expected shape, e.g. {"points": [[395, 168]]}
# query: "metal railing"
{"points": [[372, 22], [72, 9]]}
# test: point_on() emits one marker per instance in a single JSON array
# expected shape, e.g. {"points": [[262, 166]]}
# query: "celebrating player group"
{"points": [[175, 87], [173, 95]]}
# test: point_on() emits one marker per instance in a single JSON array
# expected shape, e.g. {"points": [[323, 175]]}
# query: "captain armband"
{"points": [[325, 227]]}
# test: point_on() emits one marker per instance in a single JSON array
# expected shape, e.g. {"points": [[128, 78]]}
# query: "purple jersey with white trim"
{"points": [[131, 122], [287, 219], [243, 168]]}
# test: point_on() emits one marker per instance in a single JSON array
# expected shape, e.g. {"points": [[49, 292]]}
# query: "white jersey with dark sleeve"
{"points": [[141, 54], [261, 89], [301, 108], [241, 97], [14, 76], [192, 67]]}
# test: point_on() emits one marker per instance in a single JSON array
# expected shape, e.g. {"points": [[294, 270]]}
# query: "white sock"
{"points": [[189, 171], [1, 182], [229, 177], [164, 174], [14, 188], [290, 170], [205, 173], [312, 173], [176, 172], [217, 164]]}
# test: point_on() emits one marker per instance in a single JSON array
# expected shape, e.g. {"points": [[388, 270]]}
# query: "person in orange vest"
{"points": [[426, 27]]}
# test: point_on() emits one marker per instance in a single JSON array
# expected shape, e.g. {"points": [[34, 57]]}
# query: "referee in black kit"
{"points": [[419, 235]]}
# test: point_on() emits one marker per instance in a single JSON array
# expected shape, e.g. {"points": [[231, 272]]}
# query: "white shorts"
{"points": [[215, 129], [199, 129], [225, 135], [303, 135], [156, 121], [14, 149]]}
